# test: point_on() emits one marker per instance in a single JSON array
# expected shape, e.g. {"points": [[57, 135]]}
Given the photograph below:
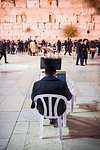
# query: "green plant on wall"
{"points": [[70, 31]]}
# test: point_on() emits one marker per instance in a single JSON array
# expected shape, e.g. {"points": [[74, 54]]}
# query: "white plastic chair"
{"points": [[50, 116], [73, 92]]}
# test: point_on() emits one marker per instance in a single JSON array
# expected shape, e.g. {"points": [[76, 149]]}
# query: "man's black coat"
{"points": [[80, 50], [50, 85]]}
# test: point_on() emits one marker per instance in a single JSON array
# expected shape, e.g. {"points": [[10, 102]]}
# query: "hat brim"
{"points": [[50, 63]]}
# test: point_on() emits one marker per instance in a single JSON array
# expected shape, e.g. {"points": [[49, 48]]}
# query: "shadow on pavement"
{"points": [[83, 126]]}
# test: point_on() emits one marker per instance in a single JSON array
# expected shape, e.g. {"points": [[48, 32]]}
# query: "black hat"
{"points": [[79, 40], [85, 40], [52, 64]]}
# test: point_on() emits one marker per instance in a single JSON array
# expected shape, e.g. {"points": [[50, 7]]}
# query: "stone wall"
{"points": [[46, 19]]}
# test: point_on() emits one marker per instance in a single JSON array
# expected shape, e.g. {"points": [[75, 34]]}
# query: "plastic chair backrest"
{"points": [[50, 99]]}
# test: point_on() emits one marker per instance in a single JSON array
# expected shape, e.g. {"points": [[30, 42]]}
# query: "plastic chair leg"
{"points": [[60, 127], [72, 104], [41, 126], [64, 119]]}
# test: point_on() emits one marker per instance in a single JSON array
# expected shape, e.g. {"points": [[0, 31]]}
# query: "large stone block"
{"points": [[7, 4], [45, 16], [32, 3], [17, 26], [20, 3], [7, 26], [1, 27]]}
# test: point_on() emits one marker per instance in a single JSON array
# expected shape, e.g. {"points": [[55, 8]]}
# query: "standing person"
{"points": [[65, 43], [50, 84], [99, 47], [3, 50], [54, 48], [70, 47], [26, 45], [21, 46], [85, 51], [32, 47], [92, 48], [79, 52], [43, 42], [59, 46], [8, 46], [75, 44], [67, 46], [12, 48]]}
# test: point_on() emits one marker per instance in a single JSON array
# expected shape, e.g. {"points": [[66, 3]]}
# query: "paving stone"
{"points": [[6, 129], [17, 142], [7, 117], [2, 98], [12, 91], [12, 103], [3, 143], [21, 127], [27, 115], [41, 144], [27, 103], [21, 123], [81, 144]]}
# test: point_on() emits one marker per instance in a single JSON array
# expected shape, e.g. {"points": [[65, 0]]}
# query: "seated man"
{"points": [[50, 84]]}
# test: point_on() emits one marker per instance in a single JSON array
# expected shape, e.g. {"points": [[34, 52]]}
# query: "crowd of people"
{"points": [[83, 47], [33, 47]]}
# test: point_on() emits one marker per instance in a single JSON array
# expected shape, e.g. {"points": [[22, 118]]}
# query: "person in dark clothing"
{"points": [[65, 43], [59, 46], [85, 51], [8, 46], [99, 47], [3, 50], [75, 44], [92, 49], [12, 48], [68, 46], [43, 42], [50, 85], [19, 46], [26, 46], [79, 52]]}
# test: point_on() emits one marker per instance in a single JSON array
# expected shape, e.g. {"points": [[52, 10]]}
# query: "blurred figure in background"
{"points": [[79, 52], [85, 51], [92, 49], [8, 46], [3, 50], [59, 46]]}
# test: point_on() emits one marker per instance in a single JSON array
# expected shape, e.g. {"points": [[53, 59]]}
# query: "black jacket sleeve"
{"points": [[67, 92], [32, 97]]}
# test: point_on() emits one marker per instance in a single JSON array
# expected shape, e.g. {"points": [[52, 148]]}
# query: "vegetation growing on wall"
{"points": [[28, 29], [70, 31], [11, 1], [50, 2], [93, 4]]}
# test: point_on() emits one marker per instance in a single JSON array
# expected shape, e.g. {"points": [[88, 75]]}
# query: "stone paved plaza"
{"points": [[19, 127]]}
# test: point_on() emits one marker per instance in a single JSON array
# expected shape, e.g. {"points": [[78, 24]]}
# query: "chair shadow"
{"points": [[91, 107], [84, 126], [80, 125]]}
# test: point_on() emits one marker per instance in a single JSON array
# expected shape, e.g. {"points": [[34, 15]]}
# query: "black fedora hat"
{"points": [[50, 63]]}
